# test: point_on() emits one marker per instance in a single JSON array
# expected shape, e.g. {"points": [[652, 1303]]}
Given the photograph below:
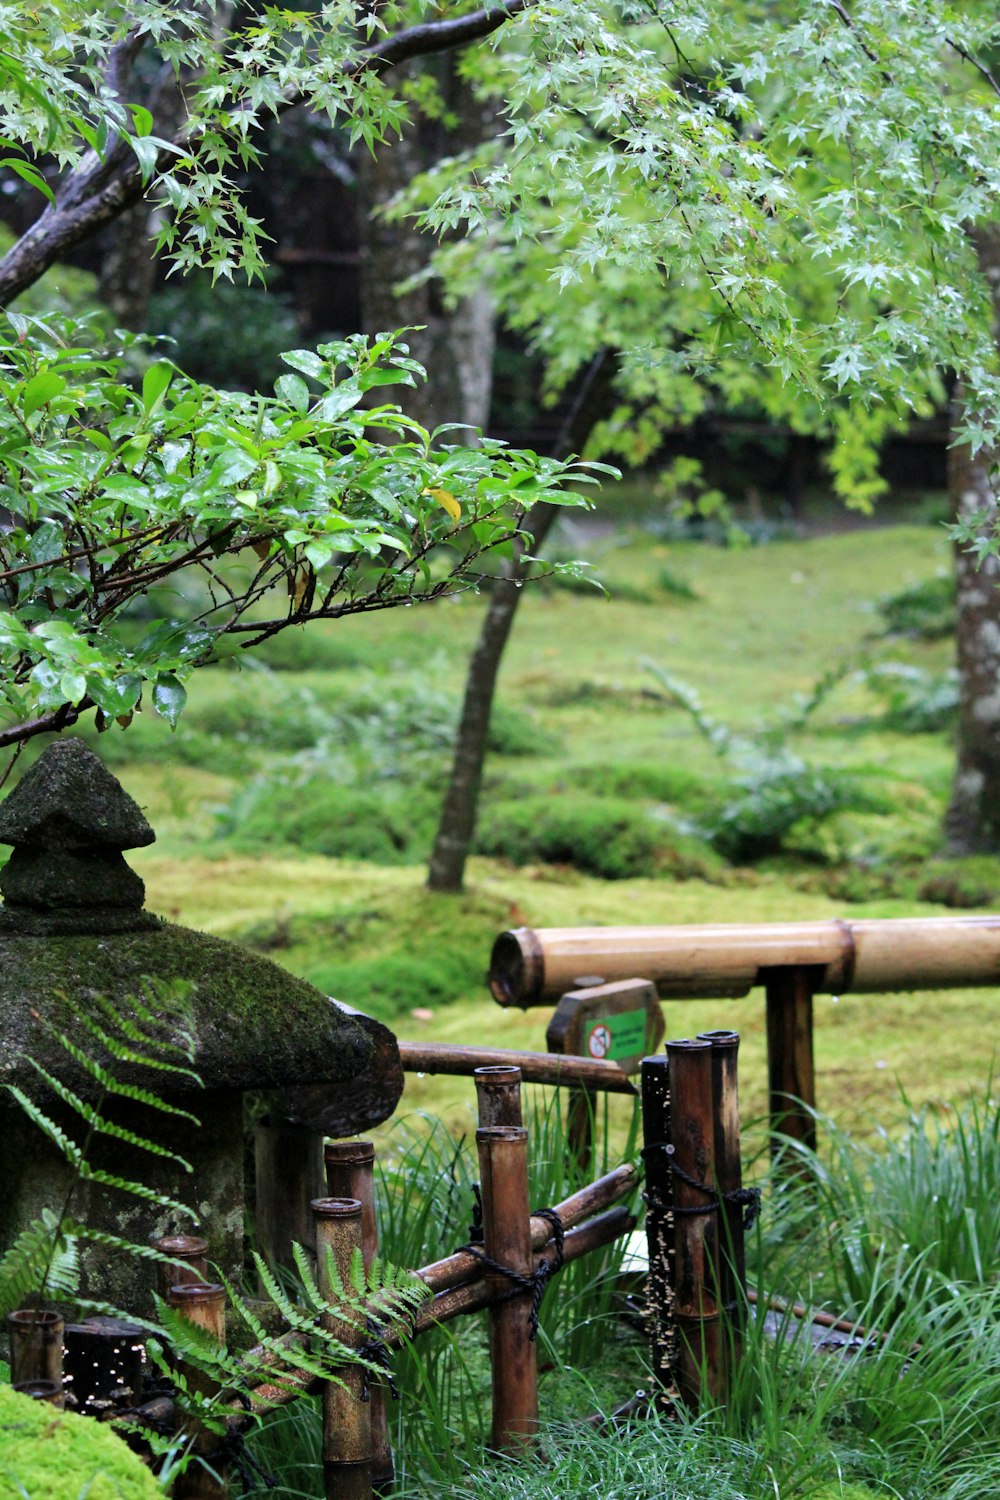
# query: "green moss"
{"points": [[256, 1026], [51, 1455]]}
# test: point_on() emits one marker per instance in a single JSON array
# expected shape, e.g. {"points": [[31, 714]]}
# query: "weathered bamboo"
{"points": [[452, 1303], [498, 1094], [347, 1433], [36, 1346], [503, 1172], [536, 1067], [103, 1359], [202, 1304], [350, 1174], [730, 1271], [659, 1195], [533, 966], [460, 1268], [188, 1261], [289, 1175], [791, 1071], [699, 1358]]}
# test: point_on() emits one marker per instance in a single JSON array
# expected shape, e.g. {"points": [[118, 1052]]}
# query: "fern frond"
{"points": [[87, 1173], [124, 1053], [62, 1142], [40, 1253], [118, 1242], [107, 1080], [168, 1000], [99, 1123]]}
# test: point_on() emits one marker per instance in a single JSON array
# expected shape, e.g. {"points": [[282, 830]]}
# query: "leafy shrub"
{"points": [[603, 836], [916, 702], [925, 610], [764, 808]]}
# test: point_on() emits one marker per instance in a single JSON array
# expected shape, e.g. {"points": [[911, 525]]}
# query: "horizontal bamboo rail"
{"points": [[534, 966], [536, 1067]]}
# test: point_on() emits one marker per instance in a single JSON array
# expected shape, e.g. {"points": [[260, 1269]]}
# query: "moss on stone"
{"points": [[256, 1026], [51, 1455]]}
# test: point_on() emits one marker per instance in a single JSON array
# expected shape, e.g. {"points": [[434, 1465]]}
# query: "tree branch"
{"points": [[98, 192], [980, 67]]}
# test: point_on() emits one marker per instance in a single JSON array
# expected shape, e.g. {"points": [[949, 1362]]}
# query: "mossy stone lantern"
{"points": [[73, 927]]}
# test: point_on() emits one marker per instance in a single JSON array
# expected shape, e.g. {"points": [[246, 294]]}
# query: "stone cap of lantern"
{"points": [[69, 819], [73, 927]]}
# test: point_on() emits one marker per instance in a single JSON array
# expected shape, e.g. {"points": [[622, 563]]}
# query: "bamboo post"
{"points": [[36, 1347], [659, 1195], [503, 1172], [347, 1433], [104, 1364], [695, 1212], [202, 1304], [350, 1173], [289, 1174], [790, 1068], [498, 1093], [191, 1250], [731, 1272]]}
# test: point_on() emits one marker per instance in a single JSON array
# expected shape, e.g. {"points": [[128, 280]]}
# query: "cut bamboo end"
{"points": [[347, 1431], [498, 1091], [36, 1346], [40, 1390], [188, 1255]]}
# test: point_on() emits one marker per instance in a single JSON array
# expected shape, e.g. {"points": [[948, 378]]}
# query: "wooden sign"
{"points": [[621, 1023]]}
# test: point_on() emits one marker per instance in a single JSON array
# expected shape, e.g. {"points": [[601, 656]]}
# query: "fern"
{"points": [[44, 1260], [41, 1246]]}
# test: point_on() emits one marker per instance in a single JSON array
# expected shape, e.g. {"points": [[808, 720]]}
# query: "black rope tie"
{"points": [[747, 1198], [375, 1352], [232, 1450], [532, 1286]]}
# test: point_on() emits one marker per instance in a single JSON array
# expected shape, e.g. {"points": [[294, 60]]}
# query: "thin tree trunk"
{"points": [[461, 801], [972, 822]]}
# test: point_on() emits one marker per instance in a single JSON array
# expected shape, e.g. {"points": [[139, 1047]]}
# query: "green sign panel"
{"points": [[616, 1037]]}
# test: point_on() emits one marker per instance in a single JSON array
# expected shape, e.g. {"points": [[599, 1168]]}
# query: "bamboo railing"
{"points": [[793, 961]]}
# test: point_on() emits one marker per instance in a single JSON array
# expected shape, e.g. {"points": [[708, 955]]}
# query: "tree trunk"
{"points": [[454, 341], [972, 822], [458, 812]]}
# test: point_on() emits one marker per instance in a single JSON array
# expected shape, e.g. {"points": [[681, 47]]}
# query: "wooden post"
{"points": [[36, 1347], [503, 1172], [790, 1068], [350, 1173], [204, 1305], [289, 1174], [498, 1092], [731, 1270], [347, 1432], [696, 1227], [659, 1195]]}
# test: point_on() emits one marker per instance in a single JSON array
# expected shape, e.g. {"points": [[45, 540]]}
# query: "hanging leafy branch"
{"points": [[268, 511]]}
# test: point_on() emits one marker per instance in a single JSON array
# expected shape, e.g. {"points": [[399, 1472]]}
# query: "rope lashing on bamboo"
{"points": [[747, 1198], [231, 1450], [533, 1285]]}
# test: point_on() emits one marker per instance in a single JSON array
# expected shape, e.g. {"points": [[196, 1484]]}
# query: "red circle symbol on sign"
{"points": [[599, 1042]]}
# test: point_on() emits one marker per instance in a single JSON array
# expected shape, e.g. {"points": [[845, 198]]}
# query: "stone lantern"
{"points": [[73, 927]]}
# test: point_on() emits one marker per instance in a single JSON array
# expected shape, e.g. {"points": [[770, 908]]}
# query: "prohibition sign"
{"points": [[599, 1042]]}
